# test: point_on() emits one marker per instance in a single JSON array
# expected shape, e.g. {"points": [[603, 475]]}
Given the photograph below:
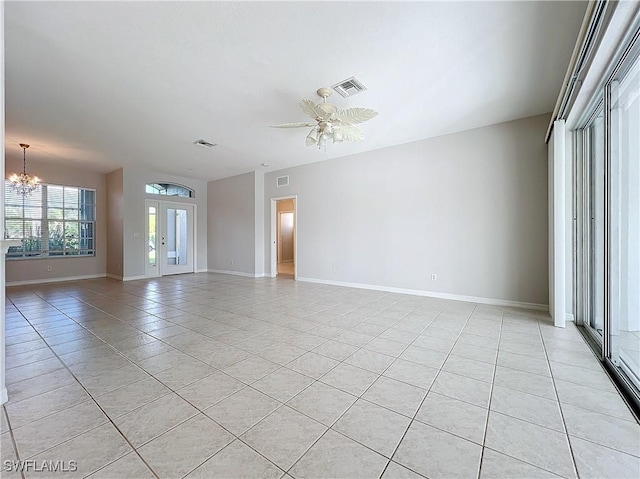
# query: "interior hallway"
{"points": [[286, 269], [221, 376]]}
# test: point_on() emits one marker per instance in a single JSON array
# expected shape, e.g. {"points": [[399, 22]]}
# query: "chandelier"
{"points": [[24, 184]]}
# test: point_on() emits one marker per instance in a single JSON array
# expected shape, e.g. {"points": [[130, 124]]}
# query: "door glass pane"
{"points": [[625, 223], [596, 225], [153, 245], [176, 239]]}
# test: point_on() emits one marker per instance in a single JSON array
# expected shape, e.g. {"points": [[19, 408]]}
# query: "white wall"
{"points": [[33, 270], [134, 245], [560, 214], [232, 223], [550, 239], [470, 207]]}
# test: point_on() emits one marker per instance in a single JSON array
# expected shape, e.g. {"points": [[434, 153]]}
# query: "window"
{"points": [[169, 189], [53, 221]]}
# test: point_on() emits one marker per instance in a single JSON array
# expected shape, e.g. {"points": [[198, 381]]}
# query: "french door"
{"points": [[169, 238]]}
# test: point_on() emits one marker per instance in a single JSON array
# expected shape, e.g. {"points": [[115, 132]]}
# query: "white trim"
{"points": [[135, 278], [114, 276], [431, 294], [236, 273], [570, 317], [558, 308], [151, 271], [4, 247], [202, 270], [56, 280]]}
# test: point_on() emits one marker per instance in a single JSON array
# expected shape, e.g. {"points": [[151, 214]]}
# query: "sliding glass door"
{"points": [[607, 192], [596, 225], [624, 220]]}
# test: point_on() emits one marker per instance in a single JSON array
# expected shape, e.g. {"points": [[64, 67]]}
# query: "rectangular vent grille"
{"points": [[282, 181], [349, 87], [204, 143]]}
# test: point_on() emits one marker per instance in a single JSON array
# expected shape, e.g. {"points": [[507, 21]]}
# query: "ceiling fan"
{"points": [[331, 123]]}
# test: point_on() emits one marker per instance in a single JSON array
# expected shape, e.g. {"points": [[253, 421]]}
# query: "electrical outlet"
{"points": [[231, 262], [334, 269], [434, 277], [49, 268]]}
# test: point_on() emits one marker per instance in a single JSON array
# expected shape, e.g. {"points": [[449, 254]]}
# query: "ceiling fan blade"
{"points": [[313, 110], [355, 115], [293, 125], [350, 133]]}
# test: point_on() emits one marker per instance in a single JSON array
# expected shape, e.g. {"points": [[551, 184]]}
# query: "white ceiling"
{"points": [[101, 85]]}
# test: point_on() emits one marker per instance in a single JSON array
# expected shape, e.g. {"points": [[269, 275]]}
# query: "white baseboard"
{"points": [[570, 317], [55, 280], [205, 270], [431, 294], [134, 278], [236, 273], [4, 397]]}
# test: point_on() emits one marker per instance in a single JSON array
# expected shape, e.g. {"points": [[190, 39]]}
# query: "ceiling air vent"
{"points": [[204, 143], [282, 181], [349, 87]]}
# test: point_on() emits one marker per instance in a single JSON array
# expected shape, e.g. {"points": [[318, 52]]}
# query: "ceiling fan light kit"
{"points": [[331, 123]]}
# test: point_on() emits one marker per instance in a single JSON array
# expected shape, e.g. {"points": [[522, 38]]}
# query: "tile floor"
{"points": [[207, 376]]}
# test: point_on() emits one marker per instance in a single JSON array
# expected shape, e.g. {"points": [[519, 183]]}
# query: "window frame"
{"points": [[163, 192], [603, 98], [45, 252]]}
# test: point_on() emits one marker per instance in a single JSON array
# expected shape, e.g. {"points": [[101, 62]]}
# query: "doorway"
{"points": [[169, 238], [283, 251]]}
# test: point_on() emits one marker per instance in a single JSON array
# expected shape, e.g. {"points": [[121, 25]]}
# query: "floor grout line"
{"points": [[428, 390], [564, 424], [303, 310], [493, 382]]}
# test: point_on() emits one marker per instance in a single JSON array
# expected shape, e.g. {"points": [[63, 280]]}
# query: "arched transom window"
{"points": [[169, 189]]}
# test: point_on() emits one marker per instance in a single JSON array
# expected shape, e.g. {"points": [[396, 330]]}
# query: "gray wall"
{"points": [[115, 207], [470, 207], [135, 247], [231, 222], [259, 224], [36, 269]]}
